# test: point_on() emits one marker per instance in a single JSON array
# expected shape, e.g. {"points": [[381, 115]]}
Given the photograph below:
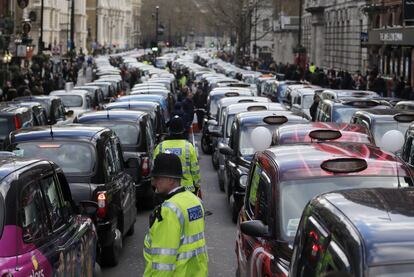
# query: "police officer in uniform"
{"points": [[176, 143], [175, 244]]}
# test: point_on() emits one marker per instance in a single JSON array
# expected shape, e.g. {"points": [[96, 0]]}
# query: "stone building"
{"points": [[332, 31], [285, 27], [391, 38], [262, 27], [56, 24], [113, 24]]}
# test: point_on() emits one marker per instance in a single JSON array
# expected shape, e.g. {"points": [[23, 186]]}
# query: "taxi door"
{"points": [[253, 252]]}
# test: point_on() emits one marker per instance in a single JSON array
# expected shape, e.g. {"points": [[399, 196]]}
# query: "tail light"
{"points": [[145, 166], [17, 122], [102, 205]]}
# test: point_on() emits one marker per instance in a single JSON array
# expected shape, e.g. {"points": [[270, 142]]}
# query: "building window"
{"points": [[390, 19], [377, 21], [266, 25]]}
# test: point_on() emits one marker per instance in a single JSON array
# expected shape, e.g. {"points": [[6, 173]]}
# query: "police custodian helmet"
{"points": [[167, 165], [176, 126]]}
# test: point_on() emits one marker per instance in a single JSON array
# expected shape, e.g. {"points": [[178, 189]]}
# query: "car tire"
{"points": [[205, 146], [131, 230], [215, 160], [112, 253], [221, 184], [234, 210], [97, 272]]}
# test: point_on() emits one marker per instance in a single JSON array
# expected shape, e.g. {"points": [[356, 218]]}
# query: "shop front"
{"points": [[391, 52]]}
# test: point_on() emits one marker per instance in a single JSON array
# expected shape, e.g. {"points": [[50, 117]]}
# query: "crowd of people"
{"points": [[42, 78]]}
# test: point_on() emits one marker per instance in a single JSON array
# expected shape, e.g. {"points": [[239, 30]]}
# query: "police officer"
{"points": [[175, 244], [176, 143]]}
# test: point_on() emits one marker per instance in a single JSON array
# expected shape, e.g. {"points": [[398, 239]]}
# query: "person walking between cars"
{"points": [[177, 144], [175, 243]]}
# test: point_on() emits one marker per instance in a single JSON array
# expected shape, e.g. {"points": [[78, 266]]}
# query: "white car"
{"points": [[79, 101]]}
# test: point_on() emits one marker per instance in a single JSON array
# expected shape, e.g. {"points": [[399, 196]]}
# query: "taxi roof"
{"points": [[63, 131], [132, 104], [9, 164], [385, 221], [242, 107], [299, 133], [301, 161], [111, 115], [254, 118]]}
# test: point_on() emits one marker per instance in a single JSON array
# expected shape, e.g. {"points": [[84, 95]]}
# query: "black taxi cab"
{"points": [[322, 132], [91, 158], [137, 136], [42, 233], [380, 122], [342, 110], [283, 179], [243, 143], [361, 232], [210, 117], [152, 108]]}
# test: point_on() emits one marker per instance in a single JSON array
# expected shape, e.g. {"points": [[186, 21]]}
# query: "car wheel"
{"points": [[111, 254], [221, 184], [234, 210], [205, 146], [215, 160], [238, 270], [97, 272], [131, 230]]}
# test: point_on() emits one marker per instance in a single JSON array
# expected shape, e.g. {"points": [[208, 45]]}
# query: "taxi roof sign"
{"points": [[325, 134], [344, 165]]}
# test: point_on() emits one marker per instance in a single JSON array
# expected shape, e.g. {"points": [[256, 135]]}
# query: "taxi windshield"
{"points": [[307, 101], [246, 145], [128, 134], [4, 126], [380, 128], [343, 115], [296, 194], [229, 120], [71, 100], [73, 157], [214, 105]]}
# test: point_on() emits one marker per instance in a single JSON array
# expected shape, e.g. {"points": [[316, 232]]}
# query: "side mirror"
{"points": [[212, 122], [132, 163], [254, 228], [69, 113], [226, 150], [88, 208]]}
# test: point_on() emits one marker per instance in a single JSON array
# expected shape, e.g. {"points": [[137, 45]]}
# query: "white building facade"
{"points": [[332, 34], [56, 23]]}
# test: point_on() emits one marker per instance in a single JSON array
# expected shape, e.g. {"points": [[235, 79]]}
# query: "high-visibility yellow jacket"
{"points": [[189, 161], [175, 244]]}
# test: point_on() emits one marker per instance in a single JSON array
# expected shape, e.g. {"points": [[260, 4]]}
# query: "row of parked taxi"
{"points": [[75, 168], [312, 198]]}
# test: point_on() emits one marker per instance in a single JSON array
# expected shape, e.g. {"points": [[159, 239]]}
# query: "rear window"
{"points": [[71, 100], [128, 134], [73, 157], [4, 126]]}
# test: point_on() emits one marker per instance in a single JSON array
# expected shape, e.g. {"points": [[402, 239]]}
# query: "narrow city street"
{"points": [[219, 229]]}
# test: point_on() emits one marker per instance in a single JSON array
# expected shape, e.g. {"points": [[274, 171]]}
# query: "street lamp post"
{"points": [[41, 27], [7, 59], [157, 8], [300, 24]]}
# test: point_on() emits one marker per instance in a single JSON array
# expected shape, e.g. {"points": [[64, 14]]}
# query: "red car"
{"points": [[322, 132], [281, 182]]}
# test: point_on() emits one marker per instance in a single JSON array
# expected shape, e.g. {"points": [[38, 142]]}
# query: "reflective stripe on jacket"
{"points": [[189, 161], [175, 245]]}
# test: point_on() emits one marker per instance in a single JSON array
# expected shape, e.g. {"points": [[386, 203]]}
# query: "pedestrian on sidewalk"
{"points": [[175, 243]]}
